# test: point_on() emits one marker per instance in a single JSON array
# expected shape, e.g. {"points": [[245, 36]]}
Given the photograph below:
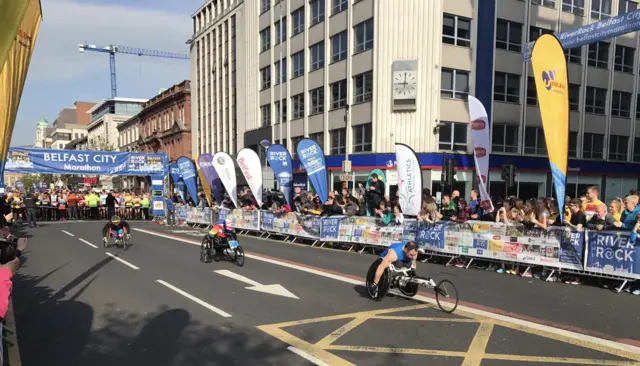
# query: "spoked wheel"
{"points": [[205, 250], [383, 285], [236, 255], [446, 296], [125, 242]]}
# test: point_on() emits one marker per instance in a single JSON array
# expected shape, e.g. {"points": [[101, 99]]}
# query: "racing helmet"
{"points": [[115, 219]]}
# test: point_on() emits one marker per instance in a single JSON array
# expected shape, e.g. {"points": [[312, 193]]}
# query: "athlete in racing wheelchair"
{"points": [[116, 228]]}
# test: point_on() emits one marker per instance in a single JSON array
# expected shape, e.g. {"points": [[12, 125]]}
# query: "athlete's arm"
{"points": [[386, 261], [125, 225], [105, 229]]}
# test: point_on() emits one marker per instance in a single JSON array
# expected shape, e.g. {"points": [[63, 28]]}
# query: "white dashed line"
{"points": [[121, 260], [195, 299], [89, 244], [68, 233]]}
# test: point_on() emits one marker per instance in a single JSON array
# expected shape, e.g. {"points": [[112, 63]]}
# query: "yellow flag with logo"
{"points": [[205, 186], [11, 14], [550, 69], [13, 71]]}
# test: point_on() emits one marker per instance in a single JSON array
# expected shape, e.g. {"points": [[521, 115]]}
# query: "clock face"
{"points": [[404, 84]]}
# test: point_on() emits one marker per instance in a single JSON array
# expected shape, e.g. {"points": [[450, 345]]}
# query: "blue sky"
{"points": [[60, 75]]}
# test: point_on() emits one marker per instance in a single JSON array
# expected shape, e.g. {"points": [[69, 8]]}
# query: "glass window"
{"points": [[627, 6], [506, 87], [545, 3], [363, 87], [338, 6], [623, 60], [319, 138], [362, 138], [281, 115], [280, 28], [573, 6], [620, 104], [265, 75], [638, 106], [298, 64], [593, 146], [317, 55], [364, 36], [456, 30], [265, 39], [596, 100], [509, 35], [598, 55], [573, 144], [339, 94], [574, 55], [535, 32], [600, 9], [453, 136], [455, 84], [265, 5], [504, 138], [574, 97], [534, 142], [265, 110], [297, 20], [317, 11], [338, 141], [298, 106], [532, 96], [317, 100], [339, 47], [618, 147], [636, 149]]}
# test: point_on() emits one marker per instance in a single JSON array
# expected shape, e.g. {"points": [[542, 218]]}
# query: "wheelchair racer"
{"points": [[219, 232], [116, 228], [402, 256]]}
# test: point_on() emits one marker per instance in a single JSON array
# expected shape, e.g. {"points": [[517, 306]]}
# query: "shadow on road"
{"points": [[55, 329]]}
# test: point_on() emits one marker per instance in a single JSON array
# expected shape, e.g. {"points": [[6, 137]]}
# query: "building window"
{"points": [[573, 144], [636, 149], [338, 6], [265, 5], [298, 64], [627, 6], [317, 11], [281, 30], [456, 30], [574, 97], [281, 115], [265, 75], [509, 35], [535, 32], [339, 47], [297, 20], [363, 87], [638, 106], [598, 55], [593, 146], [504, 138], [573, 6], [624, 59], [317, 55], [317, 100], [545, 3], [298, 106], [618, 147], [532, 96], [621, 104], [281, 71], [319, 138], [265, 39], [338, 141], [600, 9], [534, 142], [265, 110], [362, 138], [453, 136], [364, 36], [574, 55], [455, 84], [506, 87], [339, 94], [596, 100]]}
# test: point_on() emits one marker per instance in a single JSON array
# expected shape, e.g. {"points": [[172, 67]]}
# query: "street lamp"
{"points": [[436, 131]]}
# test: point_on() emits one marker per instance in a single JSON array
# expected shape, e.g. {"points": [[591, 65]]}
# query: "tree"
{"points": [[99, 144]]}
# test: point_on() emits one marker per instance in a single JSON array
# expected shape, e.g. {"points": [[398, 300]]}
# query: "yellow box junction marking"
{"points": [[472, 357]]}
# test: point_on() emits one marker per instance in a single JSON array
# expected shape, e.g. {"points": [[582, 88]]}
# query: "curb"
{"points": [[12, 351]]}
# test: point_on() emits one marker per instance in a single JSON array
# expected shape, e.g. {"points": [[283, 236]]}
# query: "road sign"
{"points": [[346, 177]]}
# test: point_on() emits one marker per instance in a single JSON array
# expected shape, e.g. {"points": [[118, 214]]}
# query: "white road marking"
{"points": [[424, 299], [195, 299], [121, 260], [89, 244], [68, 233], [307, 356], [274, 289]]}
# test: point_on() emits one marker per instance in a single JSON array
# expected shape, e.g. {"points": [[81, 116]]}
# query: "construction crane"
{"points": [[112, 50]]}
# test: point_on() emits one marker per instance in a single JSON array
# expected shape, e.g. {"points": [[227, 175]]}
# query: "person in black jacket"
{"points": [[601, 220], [110, 202], [375, 194], [331, 208]]}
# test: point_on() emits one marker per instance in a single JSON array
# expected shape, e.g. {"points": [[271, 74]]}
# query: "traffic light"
{"points": [[449, 172], [509, 174]]}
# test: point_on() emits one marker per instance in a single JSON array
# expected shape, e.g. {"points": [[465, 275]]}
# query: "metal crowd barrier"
{"points": [[609, 254]]}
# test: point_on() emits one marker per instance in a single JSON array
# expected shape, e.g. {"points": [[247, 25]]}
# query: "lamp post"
{"points": [[436, 131]]}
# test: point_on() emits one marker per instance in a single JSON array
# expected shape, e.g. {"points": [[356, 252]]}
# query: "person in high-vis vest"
{"points": [[146, 203], [93, 206]]}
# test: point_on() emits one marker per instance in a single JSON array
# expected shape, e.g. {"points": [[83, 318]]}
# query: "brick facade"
{"points": [[82, 117]]}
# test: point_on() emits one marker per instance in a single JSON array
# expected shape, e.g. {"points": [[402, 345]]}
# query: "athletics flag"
{"points": [[19, 24], [409, 180], [550, 70]]}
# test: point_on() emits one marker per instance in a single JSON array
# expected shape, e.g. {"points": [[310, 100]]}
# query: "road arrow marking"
{"points": [[256, 286]]}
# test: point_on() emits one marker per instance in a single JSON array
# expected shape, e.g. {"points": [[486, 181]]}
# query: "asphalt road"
{"points": [[156, 304]]}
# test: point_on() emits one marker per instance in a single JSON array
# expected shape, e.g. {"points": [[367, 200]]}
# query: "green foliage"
{"points": [[99, 144]]}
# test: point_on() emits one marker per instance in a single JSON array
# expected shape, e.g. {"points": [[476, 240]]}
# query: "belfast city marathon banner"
{"points": [[312, 158], [279, 160], [37, 161]]}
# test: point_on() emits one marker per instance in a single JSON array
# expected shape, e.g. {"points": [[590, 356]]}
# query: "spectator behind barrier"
{"points": [[630, 215], [601, 220]]}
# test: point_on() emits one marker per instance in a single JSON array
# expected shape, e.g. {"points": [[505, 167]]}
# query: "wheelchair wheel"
{"points": [[238, 254], [205, 250], [446, 296], [383, 285], [410, 289], [125, 242]]}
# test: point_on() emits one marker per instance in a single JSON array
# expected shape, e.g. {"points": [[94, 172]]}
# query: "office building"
{"points": [[105, 118], [359, 76]]}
